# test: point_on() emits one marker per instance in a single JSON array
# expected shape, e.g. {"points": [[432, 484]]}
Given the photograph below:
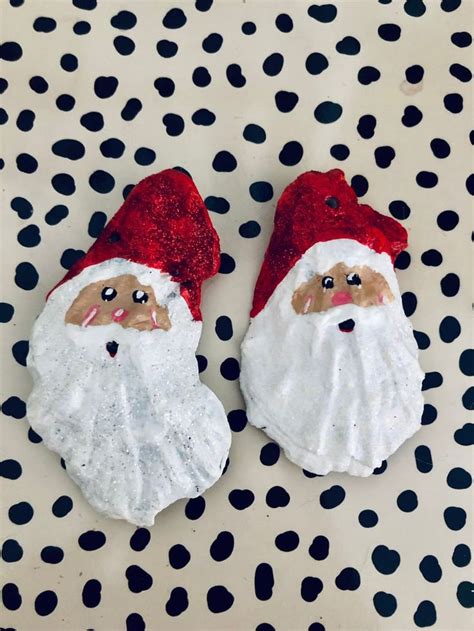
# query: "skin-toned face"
{"points": [[342, 285], [121, 299]]}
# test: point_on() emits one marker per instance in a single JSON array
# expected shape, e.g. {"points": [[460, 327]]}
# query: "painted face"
{"points": [[121, 299], [342, 285]]}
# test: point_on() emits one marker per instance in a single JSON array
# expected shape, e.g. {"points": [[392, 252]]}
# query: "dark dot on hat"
{"points": [[91, 593], [201, 77], [429, 415], [112, 148], [85, 5], [249, 28], [269, 454], [195, 508], [92, 540], [65, 102], [26, 163], [237, 420], [124, 20], [131, 109], [384, 156], [22, 206], [311, 587], [319, 549], [425, 614], [62, 506], [20, 351], [20, 513], [432, 380], [332, 497], [366, 126], [227, 264], [105, 87], [6, 312], [450, 285], [14, 407], [212, 43], [348, 579], [402, 261], [10, 469], [264, 581], [224, 162], [284, 23], [414, 8], [385, 604], [201, 362], [407, 501], [399, 209], [93, 121], [273, 64], [46, 602], [235, 76], [101, 181], [230, 369], [165, 86], [138, 579], [11, 597], [409, 302], [432, 258], [223, 328], [56, 214], [81, 28], [25, 120], [144, 156], [328, 112], [10, 51], [440, 148], [174, 18], [453, 103], [203, 5], [44, 25], [461, 555], [348, 46], [166, 48], [287, 541], [96, 224], [286, 101], [455, 517], [124, 45], [26, 276], [460, 72], [178, 556], [368, 518], [359, 185], [249, 229], [277, 497], [340, 152], [450, 5], [69, 62], [219, 599], [385, 561], [367, 75], [324, 13], [462, 39], [217, 205], [69, 148], [261, 191], [389, 32], [458, 478], [140, 539], [411, 116], [291, 153], [29, 237], [222, 546], [135, 622], [11, 551], [38, 85], [174, 124], [426, 179], [203, 117], [177, 602], [414, 74], [241, 499], [423, 459], [52, 554], [316, 63], [465, 435]]}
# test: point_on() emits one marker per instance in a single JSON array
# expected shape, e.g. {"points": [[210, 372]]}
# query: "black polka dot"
{"points": [[450, 285], [462, 39], [432, 258], [340, 152], [174, 124], [93, 121], [455, 517], [222, 546], [52, 554], [3, 85], [201, 362], [20, 351], [92, 593], [348, 579], [10, 51], [20, 513], [124, 45], [131, 109], [461, 555], [402, 261], [203, 5], [92, 540], [235, 76], [470, 184], [223, 328], [166, 48], [105, 87], [46, 602], [415, 8], [22, 206], [287, 541], [254, 133], [407, 501], [249, 28], [319, 549], [449, 329], [264, 581], [224, 162], [316, 63], [178, 556], [328, 112], [101, 181], [412, 116], [237, 420], [311, 587], [112, 148], [26, 276], [389, 32], [69, 62], [38, 85], [385, 604], [241, 498], [3, 116], [332, 497], [450, 5], [44, 25], [138, 579], [10, 469], [384, 156], [62, 506], [348, 46], [14, 407], [65, 102], [56, 214], [81, 28], [26, 163], [432, 380], [219, 599], [85, 5], [291, 153], [324, 13], [360, 185], [458, 478], [217, 205], [34, 437], [264, 626], [273, 64], [212, 43], [366, 126], [460, 72], [368, 75], [140, 539], [6, 312], [453, 103], [11, 597], [144, 156], [174, 18], [25, 120], [286, 101], [69, 148], [165, 86], [385, 561], [426, 179], [425, 614], [30, 236], [368, 518], [135, 622], [230, 369], [201, 77], [261, 191], [195, 508], [440, 148], [284, 23], [124, 20], [249, 229], [177, 602], [96, 224], [423, 459], [414, 74], [430, 414], [11, 551], [277, 497]]}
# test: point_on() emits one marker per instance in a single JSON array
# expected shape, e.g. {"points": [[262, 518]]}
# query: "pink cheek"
{"points": [[90, 314], [381, 299], [341, 298]]}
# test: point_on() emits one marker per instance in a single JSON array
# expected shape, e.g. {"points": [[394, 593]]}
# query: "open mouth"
{"points": [[112, 348], [347, 326]]}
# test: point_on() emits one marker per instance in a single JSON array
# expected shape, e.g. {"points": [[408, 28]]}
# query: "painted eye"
{"points": [[108, 294], [328, 282], [140, 296], [353, 279]]}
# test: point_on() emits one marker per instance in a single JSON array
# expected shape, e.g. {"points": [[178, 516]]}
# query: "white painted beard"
{"points": [[137, 430], [335, 401]]}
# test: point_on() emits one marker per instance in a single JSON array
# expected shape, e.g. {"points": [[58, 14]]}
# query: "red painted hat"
{"points": [[163, 224], [320, 207]]}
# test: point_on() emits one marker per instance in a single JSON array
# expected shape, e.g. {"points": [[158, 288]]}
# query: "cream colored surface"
{"points": [[425, 41]]}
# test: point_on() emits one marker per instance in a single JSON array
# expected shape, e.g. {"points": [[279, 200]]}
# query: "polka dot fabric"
{"points": [[244, 97]]}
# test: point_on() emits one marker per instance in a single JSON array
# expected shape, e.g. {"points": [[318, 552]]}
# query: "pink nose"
{"points": [[119, 314], [341, 298]]}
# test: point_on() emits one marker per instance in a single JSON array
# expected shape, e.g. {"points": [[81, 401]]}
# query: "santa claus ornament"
{"points": [[116, 385], [329, 363]]}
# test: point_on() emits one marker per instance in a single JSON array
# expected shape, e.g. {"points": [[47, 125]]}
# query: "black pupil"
{"points": [[353, 279], [328, 282], [332, 202], [108, 294], [140, 296]]}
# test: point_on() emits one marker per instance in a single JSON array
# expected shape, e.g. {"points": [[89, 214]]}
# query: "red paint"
{"points": [[303, 218], [163, 224], [341, 298], [119, 314]]}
